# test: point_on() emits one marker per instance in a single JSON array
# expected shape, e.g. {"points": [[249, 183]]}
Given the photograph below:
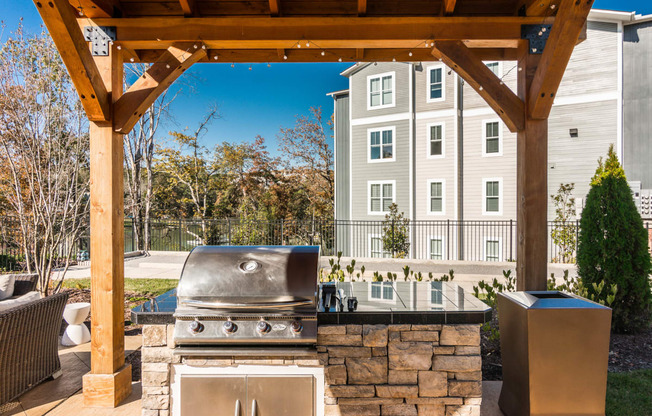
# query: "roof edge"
{"points": [[336, 93], [611, 15]]}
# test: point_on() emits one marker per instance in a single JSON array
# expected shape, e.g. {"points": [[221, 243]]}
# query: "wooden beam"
{"points": [[531, 187], [538, 7], [140, 96], [564, 34], [499, 97], [67, 36], [109, 381], [327, 32], [362, 7], [274, 7], [448, 6], [331, 55], [97, 8], [188, 7]]}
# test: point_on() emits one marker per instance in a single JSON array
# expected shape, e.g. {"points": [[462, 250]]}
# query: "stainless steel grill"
{"points": [[253, 295]]}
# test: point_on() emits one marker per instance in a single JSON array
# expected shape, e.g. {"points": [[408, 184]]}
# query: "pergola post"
{"points": [[531, 186], [109, 381]]}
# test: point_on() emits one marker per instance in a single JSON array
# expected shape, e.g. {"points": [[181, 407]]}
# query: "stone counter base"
{"points": [[370, 370]]}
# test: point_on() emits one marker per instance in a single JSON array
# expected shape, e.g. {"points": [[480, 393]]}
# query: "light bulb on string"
{"points": [[307, 44], [298, 45], [285, 57], [250, 67], [339, 59], [410, 53], [268, 65], [323, 53], [394, 59], [215, 57], [232, 65]]}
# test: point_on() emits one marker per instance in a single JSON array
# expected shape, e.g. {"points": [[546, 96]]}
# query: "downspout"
{"points": [[460, 166]]}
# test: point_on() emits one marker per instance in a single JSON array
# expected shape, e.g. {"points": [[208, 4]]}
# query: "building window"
{"points": [[436, 249], [492, 196], [436, 196], [381, 196], [491, 133], [381, 145], [376, 248], [436, 295], [381, 90], [382, 291], [436, 140], [495, 68], [436, 83], [492, 250]]}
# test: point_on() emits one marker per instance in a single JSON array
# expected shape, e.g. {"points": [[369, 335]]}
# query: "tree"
{"points": [[44, 148], [613, 247], [139, 148], [309, 153], [563, 232], [396, 233], [193, 167]]}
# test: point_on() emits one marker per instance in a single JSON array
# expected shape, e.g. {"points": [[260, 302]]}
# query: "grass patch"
{"points": [[143, 287], [629, 393]]}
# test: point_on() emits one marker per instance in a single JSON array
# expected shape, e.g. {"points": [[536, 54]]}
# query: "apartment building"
{"points": [[412, 133]]}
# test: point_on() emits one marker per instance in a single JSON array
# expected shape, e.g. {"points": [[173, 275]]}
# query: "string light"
{"points": [[194, 46], [119, 47], [268, 65], [298, 45], [307, 44], [323, 53], [215, 57], [203, 46], [410, 53], [394, 59], [285, 57], [167, 66], [232, 65], [339, 59], [250, 67], [131, 59]]}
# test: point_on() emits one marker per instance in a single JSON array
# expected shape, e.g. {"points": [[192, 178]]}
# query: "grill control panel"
{"points": [[195, 330]]}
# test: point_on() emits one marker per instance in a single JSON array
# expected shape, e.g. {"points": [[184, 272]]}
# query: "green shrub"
{"points": [[613, 247]]}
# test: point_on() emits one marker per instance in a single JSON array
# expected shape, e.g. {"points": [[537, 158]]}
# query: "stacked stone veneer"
{"points": [[402, 369], [369, 369]]}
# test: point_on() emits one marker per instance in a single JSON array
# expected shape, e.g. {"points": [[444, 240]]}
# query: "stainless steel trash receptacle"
{"points": [[555, 351]]}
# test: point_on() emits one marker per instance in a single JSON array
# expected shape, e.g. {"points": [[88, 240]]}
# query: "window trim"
{"points": [[381, 183], [443, 246], [382, 284], [443, 140], [500, 196], [500, 67], [370, 237], [443, 83], [443, 298], [443, 197], [484, 137], [381, 129], [500, 248], [368, 89]]}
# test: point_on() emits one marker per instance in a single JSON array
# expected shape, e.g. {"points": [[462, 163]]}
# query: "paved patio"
{"points": [[63, 396]]}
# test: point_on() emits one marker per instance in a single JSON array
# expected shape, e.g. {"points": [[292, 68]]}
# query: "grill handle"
{"points": [[237, 408], [254, 404], [222, 305]]}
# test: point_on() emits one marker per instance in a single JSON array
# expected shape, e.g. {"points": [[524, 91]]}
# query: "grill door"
{"points": [[213, 395], [280, 396]]}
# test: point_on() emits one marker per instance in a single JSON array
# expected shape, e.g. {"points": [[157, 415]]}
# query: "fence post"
{"points": [[393, 239], [228, 225], [180, 236], [448, 239], [511, 240], [282, 232], [312, 232]]}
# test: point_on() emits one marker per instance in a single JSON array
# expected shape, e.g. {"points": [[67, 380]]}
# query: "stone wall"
{"points": [[382, 370], [397, 370]]}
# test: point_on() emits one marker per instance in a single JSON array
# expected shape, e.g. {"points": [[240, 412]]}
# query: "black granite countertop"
{"points": [[378, 303]]}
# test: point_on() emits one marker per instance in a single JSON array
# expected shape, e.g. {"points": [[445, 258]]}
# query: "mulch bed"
{"points": [[627, 352], [84, 295]]}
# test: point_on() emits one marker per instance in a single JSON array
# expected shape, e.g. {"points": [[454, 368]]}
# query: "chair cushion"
{"points": [[20, 301], [7, 286]]}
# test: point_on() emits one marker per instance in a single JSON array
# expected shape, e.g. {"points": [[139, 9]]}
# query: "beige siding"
{"points": [[363, 171], [360, 90]]}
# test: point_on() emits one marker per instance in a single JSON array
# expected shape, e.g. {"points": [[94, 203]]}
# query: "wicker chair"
{"points": [[29, 340]]}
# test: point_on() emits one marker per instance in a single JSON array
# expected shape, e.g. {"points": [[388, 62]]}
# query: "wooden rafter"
{"points": [[362, 7], [448, 6], [327, 32], [499, 97], [274, 7], [133, 103], [538, 7], [188, 7], [97, 8], [571, 17], [67, 36]]}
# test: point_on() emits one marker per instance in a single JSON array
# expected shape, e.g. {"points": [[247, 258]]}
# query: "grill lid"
{"points": [[250, 277]]}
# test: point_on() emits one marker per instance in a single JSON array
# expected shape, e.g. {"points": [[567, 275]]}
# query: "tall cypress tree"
{"points": [[613, 246]]}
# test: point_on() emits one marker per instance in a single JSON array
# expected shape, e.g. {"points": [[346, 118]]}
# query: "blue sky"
{"points": [[257, 101]]}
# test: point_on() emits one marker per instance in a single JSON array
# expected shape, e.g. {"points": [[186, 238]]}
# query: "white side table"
{"points": [[76, 333]]}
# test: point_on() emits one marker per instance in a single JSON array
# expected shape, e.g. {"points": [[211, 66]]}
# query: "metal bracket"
{"points": [[100, 38], [537, 35]]}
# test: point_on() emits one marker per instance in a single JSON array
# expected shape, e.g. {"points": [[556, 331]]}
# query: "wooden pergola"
{"points": [[96, 37]]}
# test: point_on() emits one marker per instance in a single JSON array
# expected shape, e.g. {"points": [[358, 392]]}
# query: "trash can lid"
{"points": [[551, 300]]}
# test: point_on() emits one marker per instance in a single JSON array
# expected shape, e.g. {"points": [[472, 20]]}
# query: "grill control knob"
{"points": [[263, 327], [196, 327], [296, 327], [229, 327]]}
